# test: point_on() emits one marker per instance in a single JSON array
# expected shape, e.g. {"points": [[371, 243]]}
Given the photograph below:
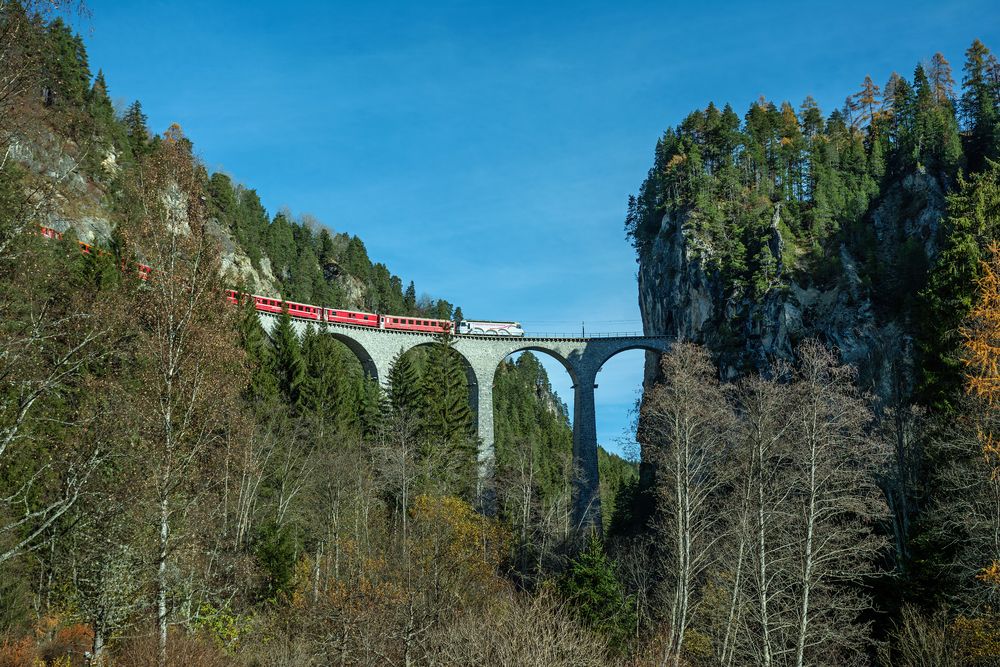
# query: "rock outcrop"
{"points": [[681, 296]]}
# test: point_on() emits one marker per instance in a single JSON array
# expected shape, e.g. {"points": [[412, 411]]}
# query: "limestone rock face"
{"points": [[681, 296], [69, 200], [237, 267]]}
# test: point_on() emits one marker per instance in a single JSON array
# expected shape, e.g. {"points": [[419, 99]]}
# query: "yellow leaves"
{"points": [[982, 333], [173, 134], [449, 526], [977, 639], [302, 580], [982, 360], [990, 574], [676, 161], [991, 454], [456, 547]]}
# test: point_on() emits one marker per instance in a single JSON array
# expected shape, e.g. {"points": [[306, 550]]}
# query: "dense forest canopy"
{"points": [[178, 487]]}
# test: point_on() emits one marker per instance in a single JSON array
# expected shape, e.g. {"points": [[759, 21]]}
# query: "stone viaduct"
{"points": [[582, 358]]}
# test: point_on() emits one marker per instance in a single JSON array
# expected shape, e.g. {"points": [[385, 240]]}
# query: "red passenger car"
{"points": [[277, 306], [415, 324], [350, 317]]}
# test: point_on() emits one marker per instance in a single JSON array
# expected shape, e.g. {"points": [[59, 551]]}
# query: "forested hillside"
{"points": [[837, 499], [181, 488], [820, 470]]}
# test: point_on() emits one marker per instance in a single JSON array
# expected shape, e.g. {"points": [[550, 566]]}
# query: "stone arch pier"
{"points": [[582, 358]]}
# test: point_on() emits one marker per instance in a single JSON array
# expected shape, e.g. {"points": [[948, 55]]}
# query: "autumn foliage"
{"points": [[982, 347], [982, 334]]}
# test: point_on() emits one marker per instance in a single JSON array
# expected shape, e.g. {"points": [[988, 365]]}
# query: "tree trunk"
{"points": [[808, 560], [161, 580]]}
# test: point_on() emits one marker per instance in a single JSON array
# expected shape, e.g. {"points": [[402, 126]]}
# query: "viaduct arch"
{"points": [[582, 358]]}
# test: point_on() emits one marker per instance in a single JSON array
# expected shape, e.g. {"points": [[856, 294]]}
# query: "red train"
{"points": [[143, 270], [334, 315], [302, 311]]}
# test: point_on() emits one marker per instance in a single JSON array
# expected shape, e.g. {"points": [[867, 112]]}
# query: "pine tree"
{"points": [[973, 223], [979, 107], [330, 389], [595, 595], [281, 245], [65, 66], [135, 127], [325, 248], [288, 367], [941, 79], [371, 408], [446, 414], [410, 299], [262, 389], [302, 277], [403, 388], [99, 104], [356, 260]]}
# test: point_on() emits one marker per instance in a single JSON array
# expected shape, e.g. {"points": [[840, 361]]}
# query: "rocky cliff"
{"points": [[681, 295]]}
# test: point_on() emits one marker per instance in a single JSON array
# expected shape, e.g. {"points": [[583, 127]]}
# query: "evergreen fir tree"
{"points": [[288, 367], [980, 107], [594, 593], [328, 390], [973, 222], [263, 386], [410, 299], [371, 408], [135, 127], [65, 66], [446, 414], [281, 245], [356, 260], [100, 107], [325, 248], [403, 388]]}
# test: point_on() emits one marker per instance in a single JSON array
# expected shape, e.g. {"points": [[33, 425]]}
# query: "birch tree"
{"points": [[759, 594], [834, 503], [686, 419], [189, 372]]}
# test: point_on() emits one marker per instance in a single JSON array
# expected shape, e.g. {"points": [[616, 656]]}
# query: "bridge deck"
{"points": [[539, 338]]}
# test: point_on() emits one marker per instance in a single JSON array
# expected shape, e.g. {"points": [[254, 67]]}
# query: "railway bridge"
{"points": [[582, 358]]}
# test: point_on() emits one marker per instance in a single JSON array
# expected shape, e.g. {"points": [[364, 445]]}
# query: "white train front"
{"points": [[489, 328]]}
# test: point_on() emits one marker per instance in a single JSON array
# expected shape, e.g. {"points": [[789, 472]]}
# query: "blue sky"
{"points": [[486, 150]]}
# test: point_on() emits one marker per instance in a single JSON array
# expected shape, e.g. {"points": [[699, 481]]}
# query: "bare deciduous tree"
{"points": [[686, 421], [191, 372]]}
